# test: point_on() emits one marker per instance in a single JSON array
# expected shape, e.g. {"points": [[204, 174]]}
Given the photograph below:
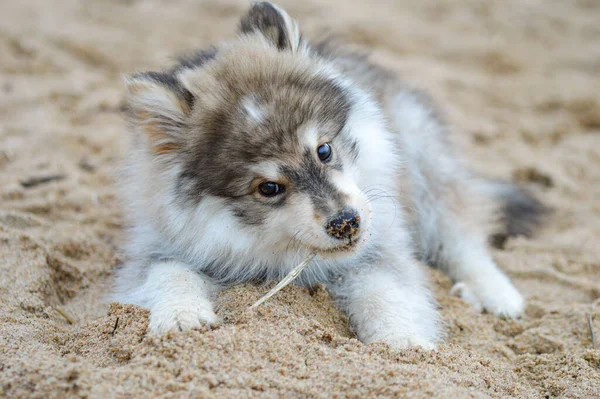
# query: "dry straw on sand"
{"points": [[291, 276]]}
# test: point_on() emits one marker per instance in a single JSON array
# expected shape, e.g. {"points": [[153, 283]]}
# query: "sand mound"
{"points": [[519, 80]]}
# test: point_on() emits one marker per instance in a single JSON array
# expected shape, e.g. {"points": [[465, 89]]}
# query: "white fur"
{"points": [[256, 112], [178, 298], [484, 286], [464, 254]]}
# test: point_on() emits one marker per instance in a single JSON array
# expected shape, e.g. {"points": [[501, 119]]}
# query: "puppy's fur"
{"points": [[208, 133]]}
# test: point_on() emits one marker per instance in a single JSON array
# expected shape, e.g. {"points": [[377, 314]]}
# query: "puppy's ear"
{"points": [[157, 107], [274, 24]]}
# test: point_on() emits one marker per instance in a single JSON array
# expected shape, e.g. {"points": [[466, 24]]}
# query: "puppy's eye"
{"points": [[270, 189], [324, 151]]}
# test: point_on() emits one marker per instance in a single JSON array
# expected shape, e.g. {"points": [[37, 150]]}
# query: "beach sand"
{"points": [[518, 80]]}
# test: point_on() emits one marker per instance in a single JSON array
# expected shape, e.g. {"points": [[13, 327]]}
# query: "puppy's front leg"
{"points": [[390, 302], [178, 298]]}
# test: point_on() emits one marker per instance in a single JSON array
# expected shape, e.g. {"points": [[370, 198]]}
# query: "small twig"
{"points": [[64, 314], [286, 280], [115, 327], [591, 327], [37, 180]]}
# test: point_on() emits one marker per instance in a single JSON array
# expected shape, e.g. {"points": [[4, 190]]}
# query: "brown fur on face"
{"points": [[226, 140], [250, 101], [223, 133]]}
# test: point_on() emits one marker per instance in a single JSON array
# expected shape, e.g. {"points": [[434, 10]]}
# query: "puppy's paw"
{"points": [[181, 316], [399, 338], [498, 297], [402, 341]]}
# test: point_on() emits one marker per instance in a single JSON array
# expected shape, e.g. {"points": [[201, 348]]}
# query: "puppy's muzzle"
{"points": [[344, 225]]}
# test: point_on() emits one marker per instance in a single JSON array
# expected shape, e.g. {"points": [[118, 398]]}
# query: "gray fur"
{"points": [[521, 213]]}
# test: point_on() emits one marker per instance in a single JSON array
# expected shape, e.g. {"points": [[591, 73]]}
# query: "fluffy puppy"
{"points": [[250, 156]]}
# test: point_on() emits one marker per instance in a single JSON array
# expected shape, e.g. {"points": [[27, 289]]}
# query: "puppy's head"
{"points": [[268, 130]]}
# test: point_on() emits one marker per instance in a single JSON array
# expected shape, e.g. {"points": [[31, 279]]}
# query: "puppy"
{"points": [[250, 156]]}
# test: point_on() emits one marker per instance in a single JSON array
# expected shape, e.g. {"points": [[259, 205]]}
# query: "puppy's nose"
{"points": [[344, 225]]}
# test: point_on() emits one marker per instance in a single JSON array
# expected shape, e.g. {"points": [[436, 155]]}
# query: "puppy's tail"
{"points": [[521, 214]]}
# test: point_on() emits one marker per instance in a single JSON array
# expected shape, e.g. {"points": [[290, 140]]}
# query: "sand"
{"points": [[520, 82]]}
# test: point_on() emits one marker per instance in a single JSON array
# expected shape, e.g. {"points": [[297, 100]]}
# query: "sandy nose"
{"points": [[344, 225]]}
